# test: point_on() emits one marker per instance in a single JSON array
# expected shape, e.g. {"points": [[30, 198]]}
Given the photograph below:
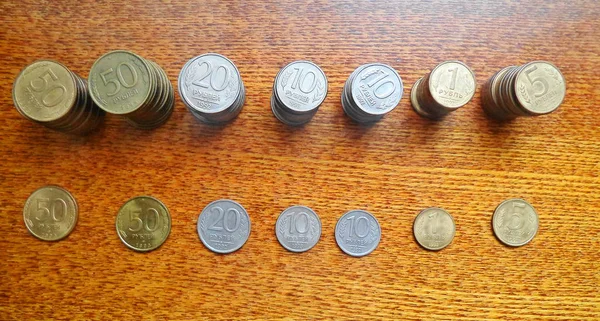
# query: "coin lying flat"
{"points": [[224, 226], [357, 233], [50, 213], [298, 228], [143, 223], [299, 89], [449, 86], [434, 228], [371, 91], [515, 222], [211, 88]]}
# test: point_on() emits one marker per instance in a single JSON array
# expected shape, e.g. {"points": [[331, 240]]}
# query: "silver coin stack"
{"points": [[371, 91], [123, 83], [48, 93], [533, 89], [298, 91], [212, 89]]}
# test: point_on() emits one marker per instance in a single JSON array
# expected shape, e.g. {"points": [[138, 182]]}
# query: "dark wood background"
{"points": [[466, 164]]}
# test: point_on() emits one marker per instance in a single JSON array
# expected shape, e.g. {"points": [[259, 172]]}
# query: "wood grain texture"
{"points": [[466, 164]]}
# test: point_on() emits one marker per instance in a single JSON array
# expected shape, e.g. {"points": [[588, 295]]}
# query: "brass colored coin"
{"points": [[120, 82], [143, 223], [44, 91], [434, 228], [540, 87], [515, 222], [50, 213], [452, 84]]}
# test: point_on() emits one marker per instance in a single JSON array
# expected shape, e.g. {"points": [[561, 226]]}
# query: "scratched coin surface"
{"points": [[452, 84], [45, 91], [515, 222], [143, 223], [434, 228], [377, 89], [120, 82], [209, 83], [540, 87], [50, 213], [224, 226], [357, 233], [298, 228], [301, 86]]}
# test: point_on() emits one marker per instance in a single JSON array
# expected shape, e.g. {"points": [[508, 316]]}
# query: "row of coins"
{"points": [[143, 224], [212, 89]]}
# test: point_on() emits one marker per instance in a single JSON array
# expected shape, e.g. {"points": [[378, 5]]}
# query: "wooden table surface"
{"points": [[466, 164]]}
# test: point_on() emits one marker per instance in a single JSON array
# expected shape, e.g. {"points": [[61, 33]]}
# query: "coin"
{"points": [[143, 223], [357, 233], [211, 88], [536, 88], [515, 222], [299, 89], [298, 228], [224, 226], [50, 94], [123, 83], [434, 228], [50, 213], [449, 86]]}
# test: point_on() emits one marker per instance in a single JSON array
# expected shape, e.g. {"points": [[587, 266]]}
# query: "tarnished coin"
{"points": [[515, 222], [224, 226], [298, 228], [300, 88], [50, 213], [120, 82], [143, 223], [357, 233], [434, 228], [211, 87], [540, 87]]}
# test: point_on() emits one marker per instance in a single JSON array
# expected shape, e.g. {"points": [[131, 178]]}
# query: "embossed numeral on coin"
{"points": [[516, 217], [454, 71], [355, 226], [377, 80], [150, 215], [213, 76], [296, 224], [120, 80], [434, 222], [44, 211], [300, 80], [221, 223], [540, 80], [50, 96]]}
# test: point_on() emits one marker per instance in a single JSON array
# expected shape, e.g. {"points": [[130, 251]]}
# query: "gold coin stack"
{"points": [[533, 89], [126, 84], [48, 93], [449, 86]]}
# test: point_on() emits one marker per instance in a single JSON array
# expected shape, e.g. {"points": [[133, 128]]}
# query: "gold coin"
{"points": [[44, 91], [121, 82], [452, 84], [143, 223], [50, 213], [540, 87]]}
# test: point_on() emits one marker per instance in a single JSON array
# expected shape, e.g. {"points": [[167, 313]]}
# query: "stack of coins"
{"points": [[371, 91], [533, 89], [126, 84], [449, 86], [212, 89], [298, 91], [49, 93]]}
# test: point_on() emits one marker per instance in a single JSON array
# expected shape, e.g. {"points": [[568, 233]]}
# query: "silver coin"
{"points": [[211, 87], [377, 89], [357, 233], [298, 228], [301, 86], [515, 222], [224, 226], [434, 228]]}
